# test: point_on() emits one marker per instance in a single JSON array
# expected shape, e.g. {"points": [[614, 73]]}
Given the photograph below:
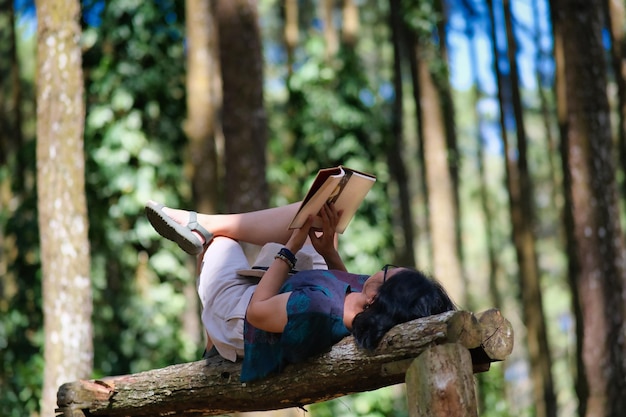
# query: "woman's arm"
{"points": [[267, 309]]}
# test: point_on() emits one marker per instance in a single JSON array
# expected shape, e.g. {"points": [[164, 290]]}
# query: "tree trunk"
{"points": [[292, 33], [488, 210], [547, 115], [204, 101], [523, 219], [484, 197], [67, 303], [616, 14], [404, 222], [443, 229], [422, 222], [330, 31], [445, 92], [350, 23], [598, 243], [573, 267], [243, 115]]}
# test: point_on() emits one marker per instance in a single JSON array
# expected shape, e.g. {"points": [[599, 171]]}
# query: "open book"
{"points": [[344, 187]]}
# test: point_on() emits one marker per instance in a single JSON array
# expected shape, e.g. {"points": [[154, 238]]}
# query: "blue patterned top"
{"points": [[314, 322]]}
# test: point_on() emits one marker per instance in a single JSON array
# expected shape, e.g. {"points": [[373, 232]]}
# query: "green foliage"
{"points": [[134, 69], [21, 320], [21, 338], [336, 117], [421, 16], [385, 402]]}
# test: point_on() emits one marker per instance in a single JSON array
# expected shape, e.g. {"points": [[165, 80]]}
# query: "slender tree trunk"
{"points": [[485, 200], [598, 243], [397, 168], [522, 217], [292, 33], [454, 159], [204, 100], [425, 232], [488, 213], [616, 15], [293, 129], [446, 262], [547, 114], [243, 115], [350, 23], [573, 266], [523, 214], [330, 31], [67, 303]]}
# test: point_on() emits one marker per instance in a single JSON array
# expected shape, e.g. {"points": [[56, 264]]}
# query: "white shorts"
{"points": [[225, 295]]}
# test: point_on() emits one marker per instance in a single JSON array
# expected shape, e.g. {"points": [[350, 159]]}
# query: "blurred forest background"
{"points": [[496, 129]]}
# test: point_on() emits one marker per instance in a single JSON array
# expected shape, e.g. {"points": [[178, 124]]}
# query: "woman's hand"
{"points": [[324, 239], [298, 236]]}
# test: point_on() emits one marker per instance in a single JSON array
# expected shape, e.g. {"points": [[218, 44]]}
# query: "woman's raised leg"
{"points": [[256, 227]]}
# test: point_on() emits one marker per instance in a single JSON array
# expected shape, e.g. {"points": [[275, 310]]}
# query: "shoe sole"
{"points": [[170, 229]]}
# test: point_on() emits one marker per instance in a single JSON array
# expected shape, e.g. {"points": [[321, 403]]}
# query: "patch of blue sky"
{"points": [[470, 39]]}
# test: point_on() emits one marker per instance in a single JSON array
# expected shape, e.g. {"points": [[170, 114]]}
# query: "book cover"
{"points": [[345, 187]]}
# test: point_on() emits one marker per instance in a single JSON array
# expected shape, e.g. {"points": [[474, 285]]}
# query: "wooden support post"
{"points": [[439, 383]]}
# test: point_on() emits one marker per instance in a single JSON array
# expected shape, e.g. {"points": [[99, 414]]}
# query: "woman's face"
{"points": [[373, 283]]}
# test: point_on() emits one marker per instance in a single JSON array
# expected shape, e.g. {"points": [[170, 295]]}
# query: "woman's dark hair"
{"points": [[405, 296]]}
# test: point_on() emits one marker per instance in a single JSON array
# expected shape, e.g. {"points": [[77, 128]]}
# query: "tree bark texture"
{"points": [[439, 383], [244, 120], [598, 243], [616, 14], [403, 223], [522, 208], [204, 102], [441, 200], [212, 387], [67, 303], [350, 31], [422, 224], [573, 267], [331, 38], [486, 202], [292, 33]]}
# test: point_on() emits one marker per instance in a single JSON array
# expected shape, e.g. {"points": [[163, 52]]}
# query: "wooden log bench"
{"points": [[436, 356]]}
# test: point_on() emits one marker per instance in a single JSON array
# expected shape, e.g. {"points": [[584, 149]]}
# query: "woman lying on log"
{"points": [[304, 302]]}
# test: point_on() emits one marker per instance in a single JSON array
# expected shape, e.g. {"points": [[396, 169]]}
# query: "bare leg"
{"points": [[256, 227]]}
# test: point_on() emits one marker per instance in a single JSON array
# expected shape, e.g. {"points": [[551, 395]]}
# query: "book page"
{"points": [[322, 176], [351, 197], [342, 186], [317, 196]]}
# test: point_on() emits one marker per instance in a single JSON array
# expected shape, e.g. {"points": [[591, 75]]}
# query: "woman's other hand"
{"points": [[324, 239], [299, 236]]}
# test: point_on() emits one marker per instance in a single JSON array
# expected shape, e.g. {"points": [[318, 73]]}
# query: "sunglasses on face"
{"points": [[384, 269], [387, 268]]}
